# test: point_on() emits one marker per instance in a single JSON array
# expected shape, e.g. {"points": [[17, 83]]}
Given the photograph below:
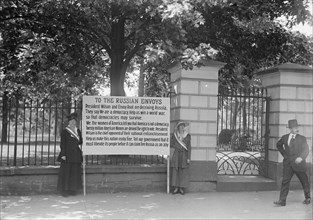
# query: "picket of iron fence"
{"points": [[30, 135]]}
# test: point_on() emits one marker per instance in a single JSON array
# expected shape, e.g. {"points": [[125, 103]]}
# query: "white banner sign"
{"points": [[125, 125]]}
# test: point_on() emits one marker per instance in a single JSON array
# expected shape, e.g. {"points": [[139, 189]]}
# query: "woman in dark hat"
{"points": [[71, 158], [180, 158]]}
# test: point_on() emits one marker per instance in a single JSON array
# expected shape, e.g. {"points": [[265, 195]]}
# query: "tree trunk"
{"points": [[244, 116], [141, 81], [117, 78], [118, 67], [235, 110]]}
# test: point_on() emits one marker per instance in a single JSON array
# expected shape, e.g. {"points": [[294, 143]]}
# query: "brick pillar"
{"points": [[290, 87], [195, 101]]}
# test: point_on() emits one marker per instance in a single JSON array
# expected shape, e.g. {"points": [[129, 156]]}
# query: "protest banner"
{"points": [[114, 125], [125, 125]]}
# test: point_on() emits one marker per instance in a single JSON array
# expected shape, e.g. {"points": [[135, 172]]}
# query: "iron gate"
{"points": [[243, 132]]}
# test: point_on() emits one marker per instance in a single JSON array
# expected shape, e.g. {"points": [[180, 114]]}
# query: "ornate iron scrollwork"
{"points": [[240, 163]]}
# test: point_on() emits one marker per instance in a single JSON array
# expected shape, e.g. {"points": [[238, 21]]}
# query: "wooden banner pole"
{"points": [[168, 174], [84, 174]]}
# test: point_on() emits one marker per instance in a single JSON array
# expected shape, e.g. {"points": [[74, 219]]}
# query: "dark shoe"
{"points": [[280, 203], [175, 191], [307, 201], [181, 191]]}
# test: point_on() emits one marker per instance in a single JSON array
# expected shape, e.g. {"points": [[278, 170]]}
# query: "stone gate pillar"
{"points": [[195, 101], [290, 87]]}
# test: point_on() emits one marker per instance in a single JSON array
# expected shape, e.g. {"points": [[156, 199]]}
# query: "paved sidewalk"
{"points": [[211, 205]]}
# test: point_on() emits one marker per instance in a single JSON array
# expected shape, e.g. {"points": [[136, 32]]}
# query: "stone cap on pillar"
{"points": [[287, 75], [286, 67], [201, 71]]}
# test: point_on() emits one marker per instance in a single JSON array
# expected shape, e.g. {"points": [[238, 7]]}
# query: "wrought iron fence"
{"points": [[30, 135], [242, 132]]}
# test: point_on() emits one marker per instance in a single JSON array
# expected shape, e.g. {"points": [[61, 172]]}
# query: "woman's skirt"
{"points": [[179, 177], [70, 178]]}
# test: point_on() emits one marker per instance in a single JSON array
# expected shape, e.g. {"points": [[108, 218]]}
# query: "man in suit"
{"points": [[294, 148]]}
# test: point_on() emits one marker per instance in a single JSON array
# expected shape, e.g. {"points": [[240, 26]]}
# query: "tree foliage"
{"points": [[49, 45], [248, 37], [42, 61]]}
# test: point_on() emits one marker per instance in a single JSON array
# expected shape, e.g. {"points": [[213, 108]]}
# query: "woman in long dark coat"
{"points": [[180, 158], [70, 180]]}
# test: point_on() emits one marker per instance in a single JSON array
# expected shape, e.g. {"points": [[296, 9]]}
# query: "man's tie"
{"points": [[292, 141]]}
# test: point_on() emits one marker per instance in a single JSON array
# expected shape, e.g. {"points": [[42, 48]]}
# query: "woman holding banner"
{"points": [[180, 158], [71, 158]]}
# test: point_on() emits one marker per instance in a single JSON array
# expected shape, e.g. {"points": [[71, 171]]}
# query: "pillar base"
{"points": [[203, 176]]}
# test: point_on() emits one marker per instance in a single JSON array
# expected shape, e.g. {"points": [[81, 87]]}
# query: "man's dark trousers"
{"points": [[288, 173]]}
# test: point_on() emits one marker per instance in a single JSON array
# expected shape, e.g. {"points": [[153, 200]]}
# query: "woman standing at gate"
{"points": [[180, 158], [71, 158]]}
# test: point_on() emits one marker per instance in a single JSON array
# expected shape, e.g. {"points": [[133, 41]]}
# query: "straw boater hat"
{"points": [[182, 123], [72, 116], [292, 123]]}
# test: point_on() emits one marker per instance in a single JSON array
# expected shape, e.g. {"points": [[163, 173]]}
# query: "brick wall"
{"points": [[106, 179]]}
